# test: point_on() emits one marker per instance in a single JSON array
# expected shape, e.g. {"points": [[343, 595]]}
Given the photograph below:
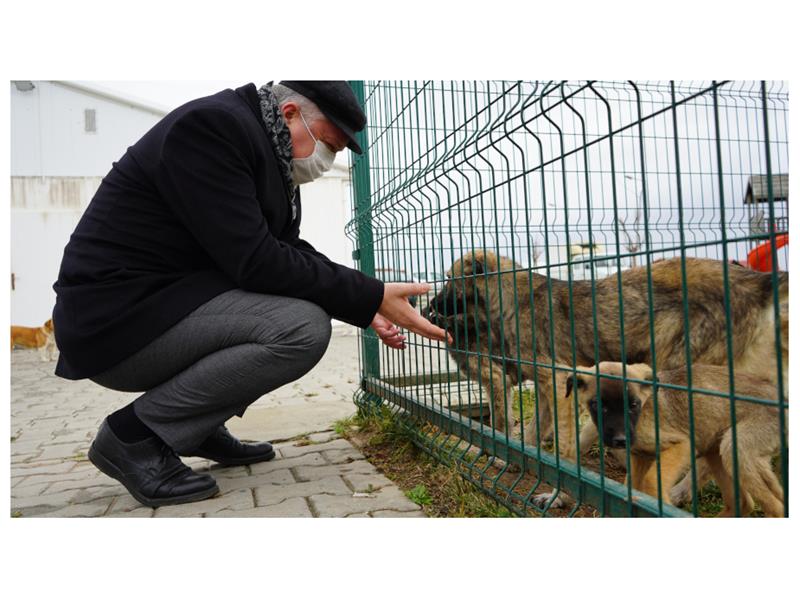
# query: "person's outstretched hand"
{"points": [[395, 312], [388, 332]]}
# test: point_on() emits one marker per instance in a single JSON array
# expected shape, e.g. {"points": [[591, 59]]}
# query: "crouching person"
{"points": [[186, 279]]}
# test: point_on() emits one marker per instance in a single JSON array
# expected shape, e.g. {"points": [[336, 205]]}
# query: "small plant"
{"points": [[528, 404], [344, 426], [709, 500], [419, 495]]}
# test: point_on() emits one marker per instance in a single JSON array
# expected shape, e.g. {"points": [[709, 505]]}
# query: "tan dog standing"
{"points": [[42, 338]]}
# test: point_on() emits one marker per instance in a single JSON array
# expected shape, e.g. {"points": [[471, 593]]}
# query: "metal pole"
{"points": [[365, 252]]}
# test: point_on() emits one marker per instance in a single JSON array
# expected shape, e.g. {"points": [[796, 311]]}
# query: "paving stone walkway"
{"points": [[317, 474]]}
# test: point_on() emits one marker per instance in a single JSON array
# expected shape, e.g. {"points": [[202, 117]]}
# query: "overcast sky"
{"points": [[171, 94]]}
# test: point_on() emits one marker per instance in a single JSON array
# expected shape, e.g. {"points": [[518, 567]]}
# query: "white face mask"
{"points": [[312, 167]]}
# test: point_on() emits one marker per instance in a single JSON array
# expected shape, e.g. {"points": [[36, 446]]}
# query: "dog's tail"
{"points": [[783, 287], [783, 305], [783, 314], [765, 285], [783, 297]]}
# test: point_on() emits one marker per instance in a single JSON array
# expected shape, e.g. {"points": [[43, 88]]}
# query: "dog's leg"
{"points": [[565, 424], [640, 474], [756, 478], [673, 464], [497, 386], [681, 493], [765, 487], [722, 476], [588, 437], [540, 428], [51, 348]]}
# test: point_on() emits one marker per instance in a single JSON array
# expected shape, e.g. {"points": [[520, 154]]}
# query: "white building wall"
{"points": [[326, 211], [48, 136], [56, 167]]}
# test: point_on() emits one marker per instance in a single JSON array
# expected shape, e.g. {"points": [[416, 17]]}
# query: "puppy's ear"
{"points": [[642, 371], [574, 380]]}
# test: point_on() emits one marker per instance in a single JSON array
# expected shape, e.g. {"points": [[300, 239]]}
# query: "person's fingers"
{"points": [[412, 289], [396, 343], [385, 329], [381, 321], [427, 329], [388, 333]]}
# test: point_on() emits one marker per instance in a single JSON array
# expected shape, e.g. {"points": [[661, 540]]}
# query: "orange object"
{"points": [[760, 257]]}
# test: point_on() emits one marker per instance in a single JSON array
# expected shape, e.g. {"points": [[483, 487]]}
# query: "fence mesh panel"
{"points": [[560, 224]]}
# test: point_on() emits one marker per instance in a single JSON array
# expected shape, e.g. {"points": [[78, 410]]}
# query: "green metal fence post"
{"points": [[365, 252]]}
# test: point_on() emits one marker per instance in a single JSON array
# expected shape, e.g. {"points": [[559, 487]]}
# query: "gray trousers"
{"points": [[218, 360]]}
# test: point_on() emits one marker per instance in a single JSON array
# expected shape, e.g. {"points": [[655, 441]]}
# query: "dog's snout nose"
{"points": [[429, 312], [618, 441]]}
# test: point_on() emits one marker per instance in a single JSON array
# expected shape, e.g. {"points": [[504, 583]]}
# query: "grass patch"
{"points": [[525, 398], [419, 495], [388, 443], [437, 488]]}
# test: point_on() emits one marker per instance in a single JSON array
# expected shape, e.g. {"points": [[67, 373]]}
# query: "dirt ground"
{"points": [[389, 447]]}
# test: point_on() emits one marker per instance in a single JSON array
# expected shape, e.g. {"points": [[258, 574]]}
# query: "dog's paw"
{"points": [[542, 500]]}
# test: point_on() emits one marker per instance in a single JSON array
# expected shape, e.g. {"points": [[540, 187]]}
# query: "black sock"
{"points": [[128, 427]]}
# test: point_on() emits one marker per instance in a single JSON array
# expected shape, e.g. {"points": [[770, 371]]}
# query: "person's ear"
{"points": [[290, 111]]}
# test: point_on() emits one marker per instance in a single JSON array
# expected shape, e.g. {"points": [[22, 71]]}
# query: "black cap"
{"points": [[337, 102]]}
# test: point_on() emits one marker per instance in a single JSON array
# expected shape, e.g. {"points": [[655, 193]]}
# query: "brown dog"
{"points": [[757, 429], [510, 324], [35, 337]]}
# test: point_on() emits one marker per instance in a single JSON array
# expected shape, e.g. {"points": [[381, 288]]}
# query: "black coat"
{"points": [[193, 209]]}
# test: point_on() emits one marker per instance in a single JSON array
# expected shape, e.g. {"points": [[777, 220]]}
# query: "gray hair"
{"points": [[284, 94]]}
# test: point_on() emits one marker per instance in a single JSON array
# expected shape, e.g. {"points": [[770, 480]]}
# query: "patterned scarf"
{"points": [[280, 138]]}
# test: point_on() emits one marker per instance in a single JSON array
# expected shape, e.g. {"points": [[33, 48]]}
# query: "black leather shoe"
{"points": [[150, 470], [225, 449]]}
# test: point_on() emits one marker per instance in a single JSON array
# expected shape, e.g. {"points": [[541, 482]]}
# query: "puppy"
{"points": [[757, 429], [42, 338]]}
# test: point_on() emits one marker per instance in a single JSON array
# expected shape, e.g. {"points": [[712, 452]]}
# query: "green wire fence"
{"points": [[579, 189]]}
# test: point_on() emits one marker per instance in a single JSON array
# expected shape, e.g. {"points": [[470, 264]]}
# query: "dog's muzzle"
{"points": [[434, 316], [617, 441]]}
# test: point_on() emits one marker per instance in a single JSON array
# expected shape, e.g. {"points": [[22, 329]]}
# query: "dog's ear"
{"points": [[642, 371], [574, 380]]}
